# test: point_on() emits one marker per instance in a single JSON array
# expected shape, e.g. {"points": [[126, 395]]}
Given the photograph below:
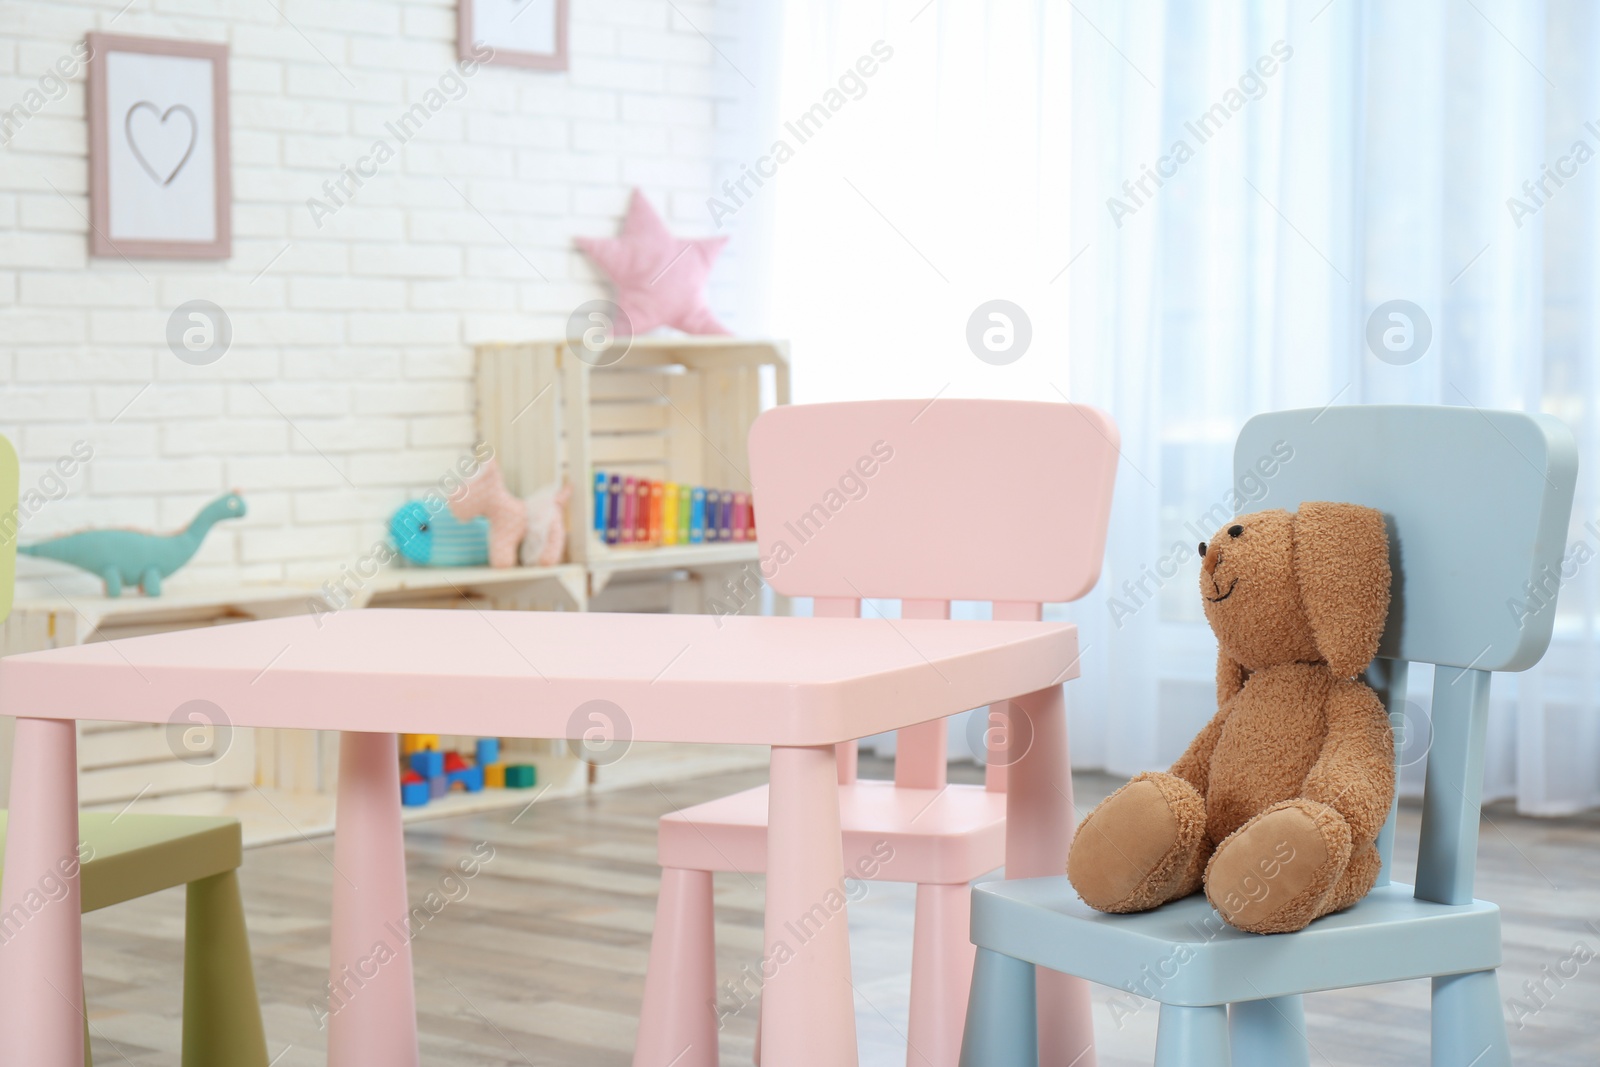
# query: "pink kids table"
{"points": [[799, 685]]}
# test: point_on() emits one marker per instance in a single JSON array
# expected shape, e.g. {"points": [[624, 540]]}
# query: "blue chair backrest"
{"points": [[1478, 505]]}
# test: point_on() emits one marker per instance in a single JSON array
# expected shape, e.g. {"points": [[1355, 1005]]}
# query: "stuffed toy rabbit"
{"points": [[1275, 808], [546, 536], [487, 495]]}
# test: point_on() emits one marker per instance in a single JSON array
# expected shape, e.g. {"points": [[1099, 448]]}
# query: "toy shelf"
{"points": [[605, 557], [503, 588], [673, 409]]}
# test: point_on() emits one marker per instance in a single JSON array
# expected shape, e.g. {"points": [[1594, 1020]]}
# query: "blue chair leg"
{"points": [[1002, 1014], [1269, 1033], [1192, 1037], [1469, 1029]]}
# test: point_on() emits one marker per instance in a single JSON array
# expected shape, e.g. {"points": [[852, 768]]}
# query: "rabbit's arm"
{"points": [[1354, 774], [1194, 766]]}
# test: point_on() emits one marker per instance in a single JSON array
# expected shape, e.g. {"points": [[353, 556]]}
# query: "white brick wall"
{"points": [[348, 385]]}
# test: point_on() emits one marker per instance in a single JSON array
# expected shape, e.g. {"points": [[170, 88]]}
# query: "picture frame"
{"points": [[154, 193], [533, 35]]}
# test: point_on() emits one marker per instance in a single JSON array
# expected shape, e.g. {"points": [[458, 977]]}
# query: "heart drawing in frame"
{"points": [[162, 117]]}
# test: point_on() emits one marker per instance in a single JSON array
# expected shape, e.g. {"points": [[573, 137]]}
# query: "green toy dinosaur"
{"points": [[133, 557]]}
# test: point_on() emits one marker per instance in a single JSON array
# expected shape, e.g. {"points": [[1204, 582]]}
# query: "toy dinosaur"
{"points": [[134, 557]]}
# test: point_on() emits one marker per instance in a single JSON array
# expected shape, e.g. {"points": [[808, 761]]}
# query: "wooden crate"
{"points": [[674, 409]]}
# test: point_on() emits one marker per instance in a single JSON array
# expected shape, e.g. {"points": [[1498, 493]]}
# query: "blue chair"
{"points": [[1478, 504]]}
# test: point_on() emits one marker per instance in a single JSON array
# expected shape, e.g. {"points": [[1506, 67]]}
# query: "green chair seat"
{"points": [[125, 857], [131, 856]]}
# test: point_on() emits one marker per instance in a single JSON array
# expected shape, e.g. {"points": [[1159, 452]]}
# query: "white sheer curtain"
{"points": [[937, 184], [1335, 156], [1370, 156], [943, 186]]}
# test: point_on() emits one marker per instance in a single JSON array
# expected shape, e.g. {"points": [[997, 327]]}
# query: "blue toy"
{"points": [[487, 751], [428, 763], [427, 535], [132, 557], [415, 794], [471, 778]]}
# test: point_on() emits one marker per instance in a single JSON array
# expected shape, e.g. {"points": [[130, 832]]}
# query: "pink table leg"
{"points": [[1039, 825], [807, 1003], [372, 1004], [41, 930], [678, 1021]]}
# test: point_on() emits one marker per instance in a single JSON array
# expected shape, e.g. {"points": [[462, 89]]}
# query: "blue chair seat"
{"points": [[1183, 953]]}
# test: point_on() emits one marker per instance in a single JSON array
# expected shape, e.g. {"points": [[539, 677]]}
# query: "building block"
{"points": [[428, 762], [487, 751], [414, 791], [469, 778], [454, 762], [410, 743], [520, 776], [438, 786], [494, 775]]}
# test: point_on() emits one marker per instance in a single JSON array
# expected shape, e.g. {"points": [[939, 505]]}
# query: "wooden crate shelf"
{"points": [[675, 409]]}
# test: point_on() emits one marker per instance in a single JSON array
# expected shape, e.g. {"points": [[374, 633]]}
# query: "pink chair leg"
{"points": [[41, 931], [807, 1005], [1039, 825], [372, 1005], [941, 975], [678, 1024]]}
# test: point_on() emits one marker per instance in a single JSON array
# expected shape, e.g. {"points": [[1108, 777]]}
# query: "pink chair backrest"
{"points": [[928, 502]]}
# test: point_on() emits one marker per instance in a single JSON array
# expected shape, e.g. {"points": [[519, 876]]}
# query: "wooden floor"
{"points": [[539, 960]]}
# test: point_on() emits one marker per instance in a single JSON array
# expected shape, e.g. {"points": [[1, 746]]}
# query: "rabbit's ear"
{"points": [[1341, 562], [1230, 678]]}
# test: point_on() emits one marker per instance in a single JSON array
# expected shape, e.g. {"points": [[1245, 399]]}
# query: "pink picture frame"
{"points": [[113, 136], [466, 40]]}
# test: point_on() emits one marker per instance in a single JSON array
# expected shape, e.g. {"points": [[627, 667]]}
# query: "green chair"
{"points": [[128, 856]]}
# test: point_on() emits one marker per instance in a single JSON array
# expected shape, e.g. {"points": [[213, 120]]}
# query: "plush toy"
{"points": [[122, 558], [486, 494], [427, 535], [546, 538], [1276, 806], [660, 278]]}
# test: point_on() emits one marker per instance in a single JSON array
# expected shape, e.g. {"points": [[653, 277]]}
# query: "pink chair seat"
{"points": [[937, 836]]}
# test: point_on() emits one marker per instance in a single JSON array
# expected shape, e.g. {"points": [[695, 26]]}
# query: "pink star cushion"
{"points": [[660, 279]]}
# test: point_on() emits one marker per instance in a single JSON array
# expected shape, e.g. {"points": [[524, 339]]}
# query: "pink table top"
{"points": [[735, 680]]}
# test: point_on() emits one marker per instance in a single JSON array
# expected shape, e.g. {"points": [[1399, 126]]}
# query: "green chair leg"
{"points": [[221, 1014]]}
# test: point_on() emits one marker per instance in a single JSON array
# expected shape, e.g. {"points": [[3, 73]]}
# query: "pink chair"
{"points": [[925, 502]]}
